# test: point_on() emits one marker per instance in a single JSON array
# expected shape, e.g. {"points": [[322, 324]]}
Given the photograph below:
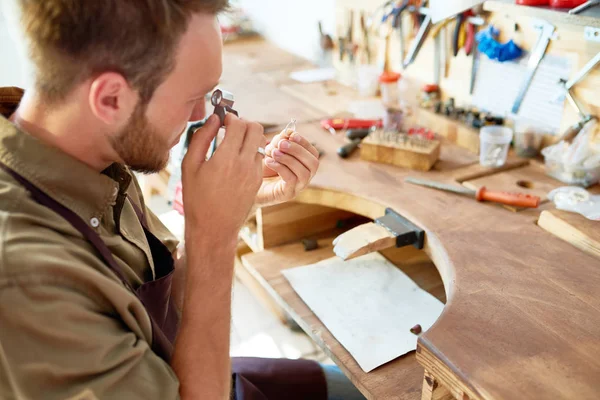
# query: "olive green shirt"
{"points": [[69, 329]]}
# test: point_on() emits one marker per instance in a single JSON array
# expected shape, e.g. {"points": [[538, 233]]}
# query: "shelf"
{"points": [[590, 17]]}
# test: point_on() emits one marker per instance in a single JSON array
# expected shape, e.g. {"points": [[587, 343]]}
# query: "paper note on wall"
{"points": [[498, 84], [368, 304]]}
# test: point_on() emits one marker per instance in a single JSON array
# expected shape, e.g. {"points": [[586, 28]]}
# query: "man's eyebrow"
{"points": [[212, 88]]}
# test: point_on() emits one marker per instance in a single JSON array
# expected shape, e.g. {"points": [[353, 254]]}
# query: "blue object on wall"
{"points": [[490, 46]]}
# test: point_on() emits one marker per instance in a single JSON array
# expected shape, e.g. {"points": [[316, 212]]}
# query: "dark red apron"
{"points": [[253, 378]]}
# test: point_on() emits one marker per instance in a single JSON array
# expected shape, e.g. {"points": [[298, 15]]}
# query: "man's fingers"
{"points": [[201, 140], [235, 131], [283, 171], [302, 154], [268, 172], [254, 139], [301, 172], [301, 140]]}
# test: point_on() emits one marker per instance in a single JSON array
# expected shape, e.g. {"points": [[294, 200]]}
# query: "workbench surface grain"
{"points": [[522, 318]]}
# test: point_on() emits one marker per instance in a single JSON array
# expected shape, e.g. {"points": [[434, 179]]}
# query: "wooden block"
{"points": [[363, 239], [407, 155], [573, 228], [284, 223]]}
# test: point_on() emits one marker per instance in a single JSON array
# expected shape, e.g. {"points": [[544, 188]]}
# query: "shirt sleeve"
{"points": [[58, 342]]}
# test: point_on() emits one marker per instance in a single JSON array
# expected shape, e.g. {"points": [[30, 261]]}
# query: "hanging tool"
{"points": [[482, 194], [474, 67], [536, 57], [350, 37], [325, 41], [584, 6], [397, 24], [474, 22], [584, 115], [346, 44], [464, 33], [440, 55], [419, 40], [365, 33]]}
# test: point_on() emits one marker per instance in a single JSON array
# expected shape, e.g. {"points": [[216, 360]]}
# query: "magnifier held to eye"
{"points": [[223, 101]]}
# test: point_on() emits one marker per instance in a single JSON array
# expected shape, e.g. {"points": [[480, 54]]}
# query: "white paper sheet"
{"points": [[498, 84], [368, 304]]}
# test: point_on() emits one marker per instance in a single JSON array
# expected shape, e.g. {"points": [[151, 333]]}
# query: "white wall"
{"points": [[13, 66], [292, 25]]}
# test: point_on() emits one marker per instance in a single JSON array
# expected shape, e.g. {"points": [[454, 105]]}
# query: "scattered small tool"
{"points": [[346, 150], [351, 123], [537, 54], [310, 244], [357, 133], [356, 138], [510, 199]]}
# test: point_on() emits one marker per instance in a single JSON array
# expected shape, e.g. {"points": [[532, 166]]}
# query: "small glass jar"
{"points": [[390, 93], [430, 95]]}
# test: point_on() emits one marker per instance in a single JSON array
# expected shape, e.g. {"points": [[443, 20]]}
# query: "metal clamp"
{"points": [[406, 232]]}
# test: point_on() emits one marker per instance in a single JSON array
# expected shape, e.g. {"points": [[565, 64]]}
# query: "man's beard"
{"points": [[140, 145]]}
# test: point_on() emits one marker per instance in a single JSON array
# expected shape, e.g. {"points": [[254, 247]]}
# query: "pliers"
{"points": [[464, 34]]}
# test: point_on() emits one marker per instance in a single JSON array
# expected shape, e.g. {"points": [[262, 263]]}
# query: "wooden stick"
{"points": [[363, 239]]}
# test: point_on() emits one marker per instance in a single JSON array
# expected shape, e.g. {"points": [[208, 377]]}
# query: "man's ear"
{"points": [[111, 99]]}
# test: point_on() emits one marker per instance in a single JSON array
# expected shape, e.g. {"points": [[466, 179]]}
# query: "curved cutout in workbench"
{"points": [[523, 314]]}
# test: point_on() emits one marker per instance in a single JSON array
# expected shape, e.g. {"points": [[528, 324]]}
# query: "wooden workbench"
{"points": [[522, 314]]}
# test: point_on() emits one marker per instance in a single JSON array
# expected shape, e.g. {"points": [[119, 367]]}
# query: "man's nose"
{"points": [[199, 111]]}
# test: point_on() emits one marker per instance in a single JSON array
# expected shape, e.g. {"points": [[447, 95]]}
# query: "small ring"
{"points": [[261, 151]]}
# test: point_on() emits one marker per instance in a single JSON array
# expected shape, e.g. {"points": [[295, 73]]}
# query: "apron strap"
{"points": [[138, 211], [78, 223]]}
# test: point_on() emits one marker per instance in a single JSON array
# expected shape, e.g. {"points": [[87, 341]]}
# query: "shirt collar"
{"points": [[85, 191]]}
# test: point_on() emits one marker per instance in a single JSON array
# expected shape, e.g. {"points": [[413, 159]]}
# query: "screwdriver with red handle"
{"points": [[482, 194]]}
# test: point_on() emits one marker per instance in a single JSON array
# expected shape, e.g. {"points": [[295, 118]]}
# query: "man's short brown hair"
{"points": [[72, 40]]}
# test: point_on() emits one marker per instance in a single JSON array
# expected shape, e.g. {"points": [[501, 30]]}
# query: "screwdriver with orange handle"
{"points": [[483, 194]]}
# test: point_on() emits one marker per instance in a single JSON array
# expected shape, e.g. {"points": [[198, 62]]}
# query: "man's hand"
{"points": [[217, 196], [219, 193], [292, 163]]}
